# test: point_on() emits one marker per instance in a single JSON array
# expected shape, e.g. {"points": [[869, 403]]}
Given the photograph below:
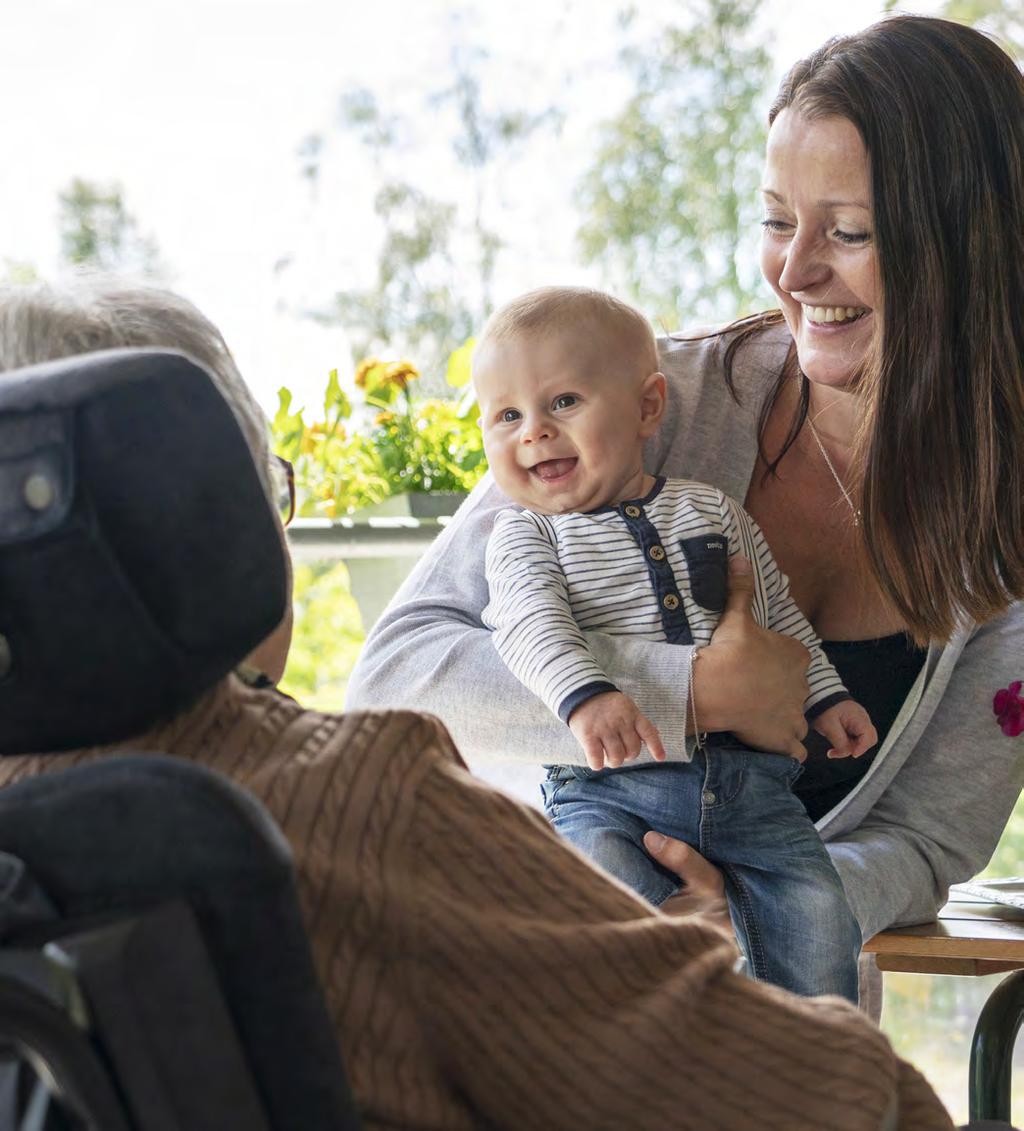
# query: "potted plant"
{"points": [[382, 452], [387, 452]]}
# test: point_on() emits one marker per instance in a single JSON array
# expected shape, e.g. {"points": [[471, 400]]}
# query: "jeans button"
{"points": [[708, 797]]}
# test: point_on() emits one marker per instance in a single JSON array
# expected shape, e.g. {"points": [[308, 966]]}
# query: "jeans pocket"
{"points": [[775, 765], [707, 560]]}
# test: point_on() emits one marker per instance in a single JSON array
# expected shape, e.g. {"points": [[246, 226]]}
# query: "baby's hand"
{"points": [[610, 727], [849, 729]]}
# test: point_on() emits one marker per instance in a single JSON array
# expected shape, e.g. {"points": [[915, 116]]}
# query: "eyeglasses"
{"points": [[286, 491]]}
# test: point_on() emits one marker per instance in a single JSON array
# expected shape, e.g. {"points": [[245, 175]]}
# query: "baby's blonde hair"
{"points": [[550, 309]]}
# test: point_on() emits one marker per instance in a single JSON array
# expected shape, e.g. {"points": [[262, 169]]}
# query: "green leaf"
{"points": [[335, 398], [460, 364], [467, 406]]}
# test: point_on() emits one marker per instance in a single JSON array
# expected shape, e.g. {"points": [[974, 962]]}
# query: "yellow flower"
{"points": [[400, 373], [363, 370]]}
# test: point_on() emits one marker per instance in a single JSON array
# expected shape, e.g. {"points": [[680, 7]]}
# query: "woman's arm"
{"points": [[940, 819], [430, 651]]}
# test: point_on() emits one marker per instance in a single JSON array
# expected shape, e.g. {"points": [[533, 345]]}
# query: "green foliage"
{"points": [[1008, 859], [390, 443], [415, 298], [1002, 18], [327, 637], [96, 230], [670, 197], [18, 272]]}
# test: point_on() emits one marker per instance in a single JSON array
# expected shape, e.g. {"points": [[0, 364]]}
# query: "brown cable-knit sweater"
{"points": [[480, 972]]}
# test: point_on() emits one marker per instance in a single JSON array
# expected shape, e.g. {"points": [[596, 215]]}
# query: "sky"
{"points": [[197, 108]]}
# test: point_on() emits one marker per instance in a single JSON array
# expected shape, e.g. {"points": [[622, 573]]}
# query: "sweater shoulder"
{"points": [[695, 361]]}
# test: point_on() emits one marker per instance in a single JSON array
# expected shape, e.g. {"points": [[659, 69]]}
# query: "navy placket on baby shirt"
{"points": [[663, 580]]}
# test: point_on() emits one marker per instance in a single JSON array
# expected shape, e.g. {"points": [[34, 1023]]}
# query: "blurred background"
{"points": [[347, 189]]}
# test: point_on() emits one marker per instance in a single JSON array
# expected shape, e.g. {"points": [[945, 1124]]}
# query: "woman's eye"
{"points": [[510, 416], [566, 400], [851, 237], [771, 225]]}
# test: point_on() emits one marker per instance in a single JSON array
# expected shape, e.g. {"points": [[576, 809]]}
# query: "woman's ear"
{"points": [[652, 404]]}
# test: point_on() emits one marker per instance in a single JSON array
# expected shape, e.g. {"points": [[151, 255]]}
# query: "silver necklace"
{"points": [[835, 474]]}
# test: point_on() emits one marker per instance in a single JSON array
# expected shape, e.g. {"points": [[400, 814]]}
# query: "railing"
{"points": [[346, 539], [379, 552]]}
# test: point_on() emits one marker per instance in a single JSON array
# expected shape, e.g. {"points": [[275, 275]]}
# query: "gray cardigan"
{"points": [[931, 808]]}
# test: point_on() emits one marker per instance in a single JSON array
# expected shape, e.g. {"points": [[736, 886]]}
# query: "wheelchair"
{"points": [[155, 974]]}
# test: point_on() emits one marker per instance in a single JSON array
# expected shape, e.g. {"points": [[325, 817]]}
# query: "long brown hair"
{"points": [[940, 108]]}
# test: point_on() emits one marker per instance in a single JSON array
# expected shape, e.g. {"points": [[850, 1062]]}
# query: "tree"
{"points": [[96, 230], [415, 303], [670, 198], [1003, 20], [437, 257]]}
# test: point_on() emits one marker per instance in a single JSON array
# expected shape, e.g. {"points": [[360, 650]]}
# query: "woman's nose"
{"points": [[806, 265]]}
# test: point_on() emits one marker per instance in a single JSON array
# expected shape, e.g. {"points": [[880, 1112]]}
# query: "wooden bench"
{"points": [[971, 938]]}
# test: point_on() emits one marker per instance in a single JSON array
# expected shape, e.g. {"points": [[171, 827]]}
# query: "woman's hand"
{"points": [[703, 887], [750, 680]]}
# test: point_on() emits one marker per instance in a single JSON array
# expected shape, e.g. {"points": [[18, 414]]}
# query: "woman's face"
{"points": [[817, 247]]}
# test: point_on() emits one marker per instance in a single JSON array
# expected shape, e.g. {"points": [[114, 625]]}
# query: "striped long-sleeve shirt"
{"points": [[655, 568]]}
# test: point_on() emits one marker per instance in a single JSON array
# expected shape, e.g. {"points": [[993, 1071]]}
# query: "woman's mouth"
{"points": [[824, 315], [550, 470]]}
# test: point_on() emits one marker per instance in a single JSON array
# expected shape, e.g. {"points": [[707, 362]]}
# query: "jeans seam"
{"points": [[758, 962]]}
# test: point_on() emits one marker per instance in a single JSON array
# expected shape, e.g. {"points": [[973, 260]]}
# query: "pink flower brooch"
{"points": [[1008, 706]]}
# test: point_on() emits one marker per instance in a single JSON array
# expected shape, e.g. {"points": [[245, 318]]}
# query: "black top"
{"points": [[879, 675]]}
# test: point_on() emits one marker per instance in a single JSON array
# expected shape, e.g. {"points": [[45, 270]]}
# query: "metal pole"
{"points": [[992, 1049]]}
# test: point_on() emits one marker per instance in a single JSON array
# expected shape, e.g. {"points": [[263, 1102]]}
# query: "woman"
{"points": [[874, 430], [460, 944]]}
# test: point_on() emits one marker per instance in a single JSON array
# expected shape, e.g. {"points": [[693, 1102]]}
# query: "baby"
{"points": [[569, 389]]}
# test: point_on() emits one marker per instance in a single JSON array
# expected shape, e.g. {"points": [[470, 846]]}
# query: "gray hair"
{"points": [[86, 312]]}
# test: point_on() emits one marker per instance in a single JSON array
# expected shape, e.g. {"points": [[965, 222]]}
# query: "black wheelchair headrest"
{"points": [[139, 557]]}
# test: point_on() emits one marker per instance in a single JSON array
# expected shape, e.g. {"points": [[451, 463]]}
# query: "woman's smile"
{"points": [[827, 315]]}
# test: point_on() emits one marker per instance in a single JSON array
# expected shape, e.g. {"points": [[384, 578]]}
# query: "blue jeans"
{"points": [[736, 807]]}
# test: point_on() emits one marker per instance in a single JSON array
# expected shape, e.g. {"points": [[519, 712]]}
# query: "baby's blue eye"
{"points": [[510, 416], [566, 400]]}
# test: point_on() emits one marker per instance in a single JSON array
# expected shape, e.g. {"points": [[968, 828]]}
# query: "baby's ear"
{"points": [[652, 404]]}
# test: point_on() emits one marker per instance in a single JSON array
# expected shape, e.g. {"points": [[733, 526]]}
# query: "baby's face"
{"points": [[562, 431]]}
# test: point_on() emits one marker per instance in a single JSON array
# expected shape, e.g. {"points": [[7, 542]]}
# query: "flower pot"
{"points": [[413, 504]]}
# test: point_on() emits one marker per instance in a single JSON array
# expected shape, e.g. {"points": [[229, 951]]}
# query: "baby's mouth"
{"points": [[550, 469]]}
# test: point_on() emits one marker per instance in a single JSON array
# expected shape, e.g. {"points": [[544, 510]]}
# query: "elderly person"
{"points": [[468, 957], [873, 426]]}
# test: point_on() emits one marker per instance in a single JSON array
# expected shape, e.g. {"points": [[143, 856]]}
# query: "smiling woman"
{"points": [[896, 164], [895, 207]]}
